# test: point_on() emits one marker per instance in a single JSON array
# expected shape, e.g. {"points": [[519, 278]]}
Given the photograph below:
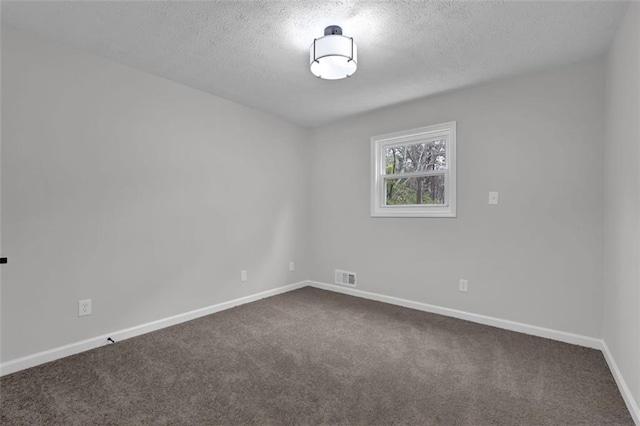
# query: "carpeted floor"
{"points": [[312, 356]]}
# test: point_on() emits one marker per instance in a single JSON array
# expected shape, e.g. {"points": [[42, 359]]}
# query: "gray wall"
{"points": [[144, 195], [149, 198], [534, 258], [622, 201]]}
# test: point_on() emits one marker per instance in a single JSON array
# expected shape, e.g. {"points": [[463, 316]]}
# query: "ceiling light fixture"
{"points": [[333, 56]]}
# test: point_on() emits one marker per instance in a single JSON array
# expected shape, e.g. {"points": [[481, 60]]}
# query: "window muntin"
{"points": [[413, 173]]}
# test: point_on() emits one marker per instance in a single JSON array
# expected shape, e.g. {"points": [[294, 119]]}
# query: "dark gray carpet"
{"points": [[311, 357]]}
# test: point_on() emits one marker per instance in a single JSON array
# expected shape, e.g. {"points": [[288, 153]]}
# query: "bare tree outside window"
{"points": [[428, 156]]}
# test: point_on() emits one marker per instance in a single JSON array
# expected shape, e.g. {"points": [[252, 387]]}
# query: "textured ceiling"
{"points": [[256, 52]]}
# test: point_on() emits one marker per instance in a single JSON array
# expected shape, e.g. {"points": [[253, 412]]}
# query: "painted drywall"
{"points": [[141, 194], [535, 258], [621, 329]]}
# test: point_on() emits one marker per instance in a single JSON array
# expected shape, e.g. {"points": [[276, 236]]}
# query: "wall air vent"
{"points": [[345, 278]]}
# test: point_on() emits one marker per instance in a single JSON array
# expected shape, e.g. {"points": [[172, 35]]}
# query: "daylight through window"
{"points": [[413, 173]]}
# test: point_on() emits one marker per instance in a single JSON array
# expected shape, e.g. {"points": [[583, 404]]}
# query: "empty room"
{"points": [[341, 212]]}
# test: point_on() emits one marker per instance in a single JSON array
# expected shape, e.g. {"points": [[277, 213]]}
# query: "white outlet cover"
{"points": [[243, 275], [84, 307], [292, 266], [464, 286], [494, 197]]}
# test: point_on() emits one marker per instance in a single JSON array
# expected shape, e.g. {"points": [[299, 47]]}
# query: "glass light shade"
{"points": [[333, 57]]}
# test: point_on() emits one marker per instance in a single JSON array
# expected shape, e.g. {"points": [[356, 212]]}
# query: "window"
{"points": [[414, 173]]}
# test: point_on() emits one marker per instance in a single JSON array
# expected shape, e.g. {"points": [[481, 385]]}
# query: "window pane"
{"points": [[415, 190], [416, 158]]}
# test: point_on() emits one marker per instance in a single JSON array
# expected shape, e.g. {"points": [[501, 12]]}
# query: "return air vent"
{"points": [[345, 278]]}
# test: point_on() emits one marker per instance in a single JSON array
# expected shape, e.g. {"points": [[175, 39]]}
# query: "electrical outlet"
{"points": [[84, 307], [243, 275], [464, 286], [292, 266]]}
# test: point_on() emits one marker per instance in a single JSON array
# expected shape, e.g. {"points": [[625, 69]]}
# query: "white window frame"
{"points": [[380, 143]]}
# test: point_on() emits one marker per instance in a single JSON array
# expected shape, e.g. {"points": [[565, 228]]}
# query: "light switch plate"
{"points": [[493, 198]]}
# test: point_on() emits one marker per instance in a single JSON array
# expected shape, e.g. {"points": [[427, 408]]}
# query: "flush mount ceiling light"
{"points": [[333, 56]]}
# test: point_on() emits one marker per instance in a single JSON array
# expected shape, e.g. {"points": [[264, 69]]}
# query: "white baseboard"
{"points": [[85, 345], [563, 336], [632, 404], [73, 348]]}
